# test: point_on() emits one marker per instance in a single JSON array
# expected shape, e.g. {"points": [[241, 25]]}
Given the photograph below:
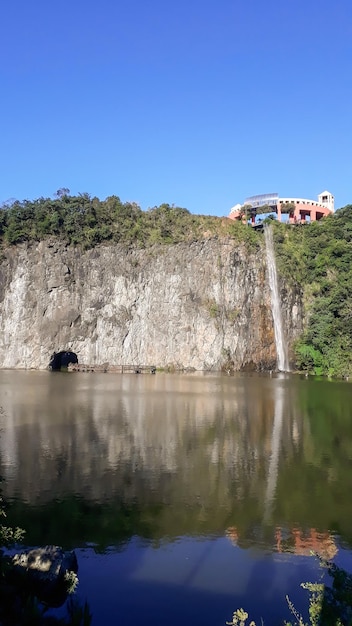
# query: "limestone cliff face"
{"points": [[190, 305]]}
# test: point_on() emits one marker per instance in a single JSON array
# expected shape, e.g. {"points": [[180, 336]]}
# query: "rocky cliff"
{"points": [[196, 305]]}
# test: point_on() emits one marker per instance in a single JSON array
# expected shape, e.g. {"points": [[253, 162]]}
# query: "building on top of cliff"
{"points": [[297, 210]]}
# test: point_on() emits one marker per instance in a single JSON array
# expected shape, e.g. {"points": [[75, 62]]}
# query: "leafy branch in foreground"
{"points": [[9, 535], [239, 618], [328, 605]]}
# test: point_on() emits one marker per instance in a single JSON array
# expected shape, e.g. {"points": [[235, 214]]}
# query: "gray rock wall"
{"points": [[191, 305]]}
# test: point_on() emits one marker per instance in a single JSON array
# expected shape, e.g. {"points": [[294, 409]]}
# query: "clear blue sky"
{"points": [[199, 103]]}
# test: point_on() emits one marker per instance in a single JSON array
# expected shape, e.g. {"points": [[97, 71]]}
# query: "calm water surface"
{"points": [[184, 496]]}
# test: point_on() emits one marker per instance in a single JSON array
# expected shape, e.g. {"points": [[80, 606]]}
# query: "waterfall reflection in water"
{"points": [[275, 451]]}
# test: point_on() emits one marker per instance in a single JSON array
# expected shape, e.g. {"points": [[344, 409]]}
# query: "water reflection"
{"points": [[295, 540], [112, 456], [275, 451]]}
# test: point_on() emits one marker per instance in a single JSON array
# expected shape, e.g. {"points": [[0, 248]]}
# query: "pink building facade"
{"points": [[297, 210]]}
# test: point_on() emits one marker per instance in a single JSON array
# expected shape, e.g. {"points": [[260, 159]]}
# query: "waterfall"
{"points": [[281, 350]]}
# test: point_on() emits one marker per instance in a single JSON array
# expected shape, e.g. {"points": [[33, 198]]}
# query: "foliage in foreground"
{"points": [[328, 605], [8, 536]]}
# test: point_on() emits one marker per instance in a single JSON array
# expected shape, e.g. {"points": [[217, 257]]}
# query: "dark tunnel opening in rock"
{"points": [[61, 360]]}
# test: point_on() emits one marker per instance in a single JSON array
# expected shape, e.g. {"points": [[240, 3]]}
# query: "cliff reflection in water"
{"points": [[169, 455]]}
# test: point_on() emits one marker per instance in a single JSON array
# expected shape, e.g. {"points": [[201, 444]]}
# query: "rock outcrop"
{"points": [[199, 305], [48, 573]]}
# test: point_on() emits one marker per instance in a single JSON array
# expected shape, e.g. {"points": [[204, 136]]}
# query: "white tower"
{"points": [[326, 199], [236, 208]]}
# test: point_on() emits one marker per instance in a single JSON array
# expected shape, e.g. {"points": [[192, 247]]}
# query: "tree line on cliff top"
{"points": [[316, 258], [89, 221]]}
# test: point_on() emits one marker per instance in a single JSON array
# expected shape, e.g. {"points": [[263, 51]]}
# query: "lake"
{"points": [[185, 496]]}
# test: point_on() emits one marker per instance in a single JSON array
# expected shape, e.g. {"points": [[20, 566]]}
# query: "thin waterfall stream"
{"points": [[281, 348]]}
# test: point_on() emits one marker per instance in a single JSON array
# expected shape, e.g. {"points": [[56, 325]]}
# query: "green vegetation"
{"points": [[8, 535], [328, 605], [89, 221], [288, 207], [247, 211], [213, 308], [317, 259]]}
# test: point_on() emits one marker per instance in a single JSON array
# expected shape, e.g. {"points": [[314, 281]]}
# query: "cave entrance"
{"points": [[60, 360]]}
